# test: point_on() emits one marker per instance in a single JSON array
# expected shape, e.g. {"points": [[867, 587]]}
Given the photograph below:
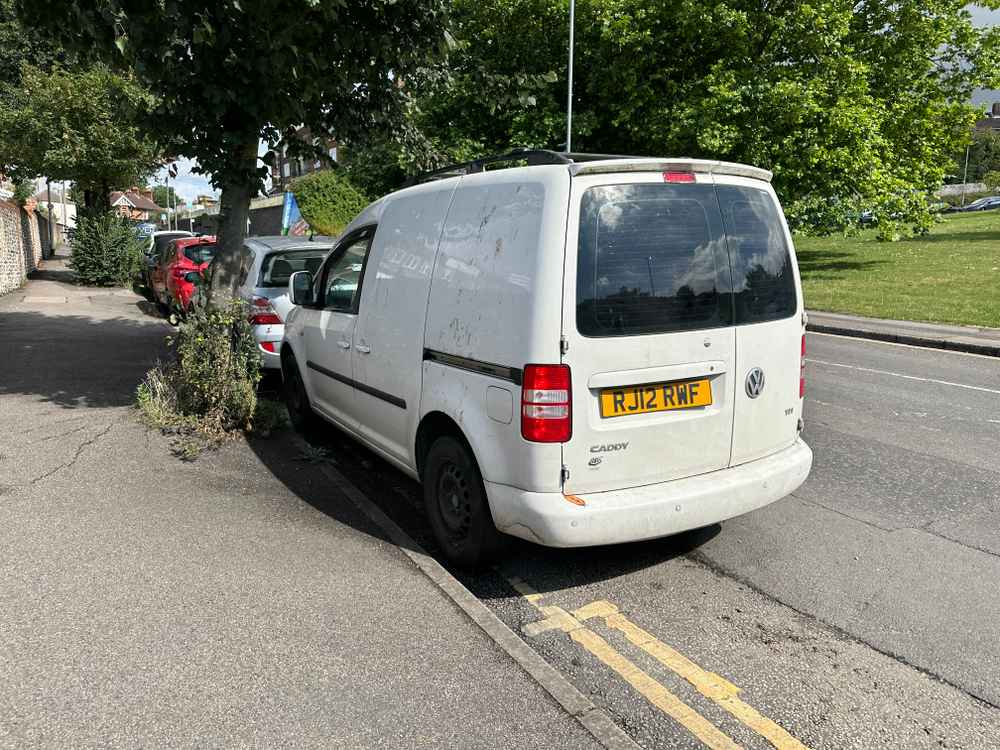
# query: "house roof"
{"points": [[135, 200]]}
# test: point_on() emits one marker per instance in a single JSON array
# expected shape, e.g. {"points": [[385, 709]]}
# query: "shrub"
{"points": [[106, 251], [328, 200], [992, 180], [209, 389], [22, 191]]}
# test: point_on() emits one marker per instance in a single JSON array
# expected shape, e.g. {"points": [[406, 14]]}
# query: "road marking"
{"points": [[897, 343], [709, 684], [905, 377], [557, 618]]}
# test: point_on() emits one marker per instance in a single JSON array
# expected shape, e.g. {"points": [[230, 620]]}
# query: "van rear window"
{"points": [[763, 280], [660, 258], [651, 260]]}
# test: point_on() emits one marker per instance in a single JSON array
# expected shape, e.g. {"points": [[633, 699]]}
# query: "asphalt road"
{"points": [[863, 611]]}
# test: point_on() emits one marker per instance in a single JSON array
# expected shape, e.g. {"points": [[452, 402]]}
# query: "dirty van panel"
{"points": [[651, 341], [769, 327], [496, 291]]}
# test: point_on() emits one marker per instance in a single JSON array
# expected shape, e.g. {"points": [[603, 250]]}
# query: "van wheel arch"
{"points": [[436, 424]]}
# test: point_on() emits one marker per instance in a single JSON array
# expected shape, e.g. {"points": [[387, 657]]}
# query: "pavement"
{"points": [[238, 601], [969, 339]]}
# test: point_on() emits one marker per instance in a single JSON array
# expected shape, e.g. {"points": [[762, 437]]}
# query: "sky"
{"points": [[189, 186], [985, 17]]}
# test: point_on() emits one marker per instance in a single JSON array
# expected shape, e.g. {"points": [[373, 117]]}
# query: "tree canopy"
{"points": [[76, 125], [231, 72], [853, 105]]}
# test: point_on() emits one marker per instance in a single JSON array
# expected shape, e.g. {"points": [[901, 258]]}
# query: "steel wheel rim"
{"points": [[454, 500]]}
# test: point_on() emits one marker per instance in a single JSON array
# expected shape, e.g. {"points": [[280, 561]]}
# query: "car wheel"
{"points": [[456, 505], [303, 418]]}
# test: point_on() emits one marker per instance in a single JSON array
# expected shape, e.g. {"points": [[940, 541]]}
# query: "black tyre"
{"points": [[303, 418], [456, 505]]}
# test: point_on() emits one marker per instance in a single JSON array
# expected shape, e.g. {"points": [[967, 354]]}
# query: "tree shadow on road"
{"points": [[75, 360]]}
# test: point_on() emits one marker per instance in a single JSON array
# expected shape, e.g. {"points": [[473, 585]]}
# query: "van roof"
{"points": [[582, 164]]}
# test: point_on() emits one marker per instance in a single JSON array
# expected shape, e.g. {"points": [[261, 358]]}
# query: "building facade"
{"points": [[286, 167]]}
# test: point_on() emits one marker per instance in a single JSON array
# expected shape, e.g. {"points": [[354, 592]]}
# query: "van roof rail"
{"points": [[533, 157], [536, 156]]}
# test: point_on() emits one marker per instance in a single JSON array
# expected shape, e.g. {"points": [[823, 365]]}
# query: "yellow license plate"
{"points": [[642, 399]]}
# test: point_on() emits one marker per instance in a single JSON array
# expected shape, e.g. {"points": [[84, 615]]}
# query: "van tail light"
{"points": [[546, 404], [262, 312], [802, 369]]}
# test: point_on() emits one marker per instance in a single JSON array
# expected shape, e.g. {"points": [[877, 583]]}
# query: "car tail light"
{"points": [[678, 176], [802, 369], [262, 312], [267, 346], [546, 404]]}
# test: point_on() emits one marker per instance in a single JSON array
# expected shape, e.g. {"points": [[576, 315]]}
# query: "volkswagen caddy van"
{"points": [[573, 350]]}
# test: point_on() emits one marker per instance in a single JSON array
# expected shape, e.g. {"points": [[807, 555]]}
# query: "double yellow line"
{"points": [[712, 686]]}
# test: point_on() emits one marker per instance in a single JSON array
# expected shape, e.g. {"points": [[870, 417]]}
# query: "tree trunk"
{"points": [[238, 188]]}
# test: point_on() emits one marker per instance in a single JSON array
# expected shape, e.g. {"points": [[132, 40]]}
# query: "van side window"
{"points": [[763, 280], [341, 286], [651, 259]]}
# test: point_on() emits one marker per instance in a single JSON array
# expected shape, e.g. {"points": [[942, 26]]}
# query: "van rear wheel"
{"points": [[456, 505]]}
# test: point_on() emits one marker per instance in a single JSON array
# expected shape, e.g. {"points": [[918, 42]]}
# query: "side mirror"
{"points": [[300, 288]]}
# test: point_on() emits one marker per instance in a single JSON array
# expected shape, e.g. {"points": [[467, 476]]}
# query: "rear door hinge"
{"points": [[563, 345], [564, 474]]}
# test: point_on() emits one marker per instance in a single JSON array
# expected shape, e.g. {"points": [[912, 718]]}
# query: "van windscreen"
{"points": [[651, 259], [661, 258]]}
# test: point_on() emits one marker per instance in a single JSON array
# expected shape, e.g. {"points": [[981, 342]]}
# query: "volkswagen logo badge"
{"points": [[755, 382]]}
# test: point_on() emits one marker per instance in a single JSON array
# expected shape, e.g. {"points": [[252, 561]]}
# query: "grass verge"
{"points": [[951, 275]]}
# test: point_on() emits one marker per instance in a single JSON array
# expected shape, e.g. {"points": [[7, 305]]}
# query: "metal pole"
{"points": [[965, 177], [569, 92], [65, 216], [52, 226]]}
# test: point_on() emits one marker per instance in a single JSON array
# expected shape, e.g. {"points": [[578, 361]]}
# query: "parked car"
{"points": [[982, 204], [258, 274], [583, 351], [156, 242], [173, 277]]}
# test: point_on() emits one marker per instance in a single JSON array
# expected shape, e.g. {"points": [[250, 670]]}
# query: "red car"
{"points": [[172, 285]]}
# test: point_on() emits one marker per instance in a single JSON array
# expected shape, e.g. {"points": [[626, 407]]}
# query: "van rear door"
{"points": [[768, 317], [648, 330]]}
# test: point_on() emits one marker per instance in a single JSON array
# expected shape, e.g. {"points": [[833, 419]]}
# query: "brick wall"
{"points": [[20, 245]]}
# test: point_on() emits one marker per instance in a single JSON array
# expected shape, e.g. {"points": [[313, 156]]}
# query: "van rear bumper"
{"points": [[651, 511]]}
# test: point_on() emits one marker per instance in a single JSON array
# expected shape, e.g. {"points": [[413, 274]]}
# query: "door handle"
{"points": [[344, 344], [363, 348]]}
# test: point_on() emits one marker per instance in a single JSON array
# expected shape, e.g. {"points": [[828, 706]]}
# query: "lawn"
{"points": [[951, 275]]}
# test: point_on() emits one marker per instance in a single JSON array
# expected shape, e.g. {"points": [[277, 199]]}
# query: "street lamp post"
{"points": [[569, 92]]}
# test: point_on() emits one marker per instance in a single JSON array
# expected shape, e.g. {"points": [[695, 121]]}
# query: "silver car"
{"points": [[259, 276]]}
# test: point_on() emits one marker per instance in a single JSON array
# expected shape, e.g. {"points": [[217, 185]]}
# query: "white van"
{"points": [[581, 351]]}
